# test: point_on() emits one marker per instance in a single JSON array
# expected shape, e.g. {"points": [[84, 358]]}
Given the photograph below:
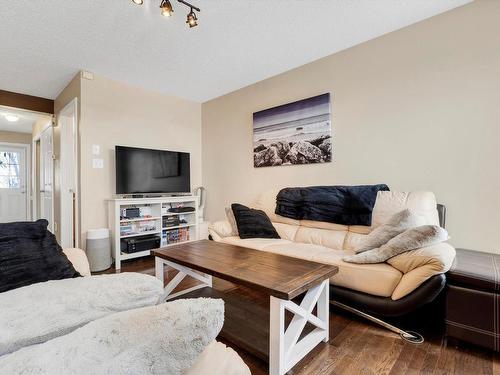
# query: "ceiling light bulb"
{"points": [[11, 118], [166, 8], [138, 2], [192, 21]]}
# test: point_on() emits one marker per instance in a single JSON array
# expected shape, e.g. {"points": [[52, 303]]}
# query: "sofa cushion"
{"points": [[286, 231], [324, 237], [323, 225], [266, 202], [162, 339], [79, 260], [253, 223], [376, 279], [30, 254], [220, 229], [232, 221], [254, 243], [218, 359], [353, 241], [388, 203], [420, 265]]}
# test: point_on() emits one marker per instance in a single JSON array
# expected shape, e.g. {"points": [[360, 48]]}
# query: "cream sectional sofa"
{"points": [[328, 243]]}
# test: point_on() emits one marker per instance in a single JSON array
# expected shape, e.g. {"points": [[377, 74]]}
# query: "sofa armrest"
{"points": [[218, 359], [220, 229], [79, 260], [420, 265]]}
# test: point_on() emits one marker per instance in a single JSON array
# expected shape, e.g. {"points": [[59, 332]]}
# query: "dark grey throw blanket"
{"points": [[347, 205], [30, 254]]}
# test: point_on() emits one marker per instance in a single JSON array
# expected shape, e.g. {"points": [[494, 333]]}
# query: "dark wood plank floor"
{"points": [[359, 347]]}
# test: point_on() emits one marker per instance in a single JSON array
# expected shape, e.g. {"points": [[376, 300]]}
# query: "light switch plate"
{"points": [[97, 163], [96, 149]]}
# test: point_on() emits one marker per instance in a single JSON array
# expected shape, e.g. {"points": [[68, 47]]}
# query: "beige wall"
{"points": [[14, 137], [112, 114], [418, 109]]}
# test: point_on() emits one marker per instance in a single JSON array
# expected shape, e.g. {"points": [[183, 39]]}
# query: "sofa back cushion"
{"points": [[266, 201], [30, 254], [388, 203], [333, 239]]}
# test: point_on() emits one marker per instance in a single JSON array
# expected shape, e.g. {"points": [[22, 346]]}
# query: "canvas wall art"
{"points": [[293, 133]]}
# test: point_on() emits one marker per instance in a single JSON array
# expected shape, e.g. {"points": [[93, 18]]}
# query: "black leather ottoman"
{"points": [[473, 299]]}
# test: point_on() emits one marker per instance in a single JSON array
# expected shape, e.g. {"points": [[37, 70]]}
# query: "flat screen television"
{"points": [[141, 171]]}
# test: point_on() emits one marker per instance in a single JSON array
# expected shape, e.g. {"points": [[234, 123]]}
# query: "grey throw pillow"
{"points": [[397, 224], [411, 239], [232, 221]]}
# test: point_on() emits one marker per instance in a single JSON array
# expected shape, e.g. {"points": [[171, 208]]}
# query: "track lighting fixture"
{"points": [[192, 20], [167, 10]]}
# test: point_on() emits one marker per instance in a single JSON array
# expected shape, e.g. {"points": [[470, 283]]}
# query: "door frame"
{"points": [[69, 110], [27, 175], [34, 188]]}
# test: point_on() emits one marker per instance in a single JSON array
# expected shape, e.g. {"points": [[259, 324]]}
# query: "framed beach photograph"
{"points": [[293, 133]]}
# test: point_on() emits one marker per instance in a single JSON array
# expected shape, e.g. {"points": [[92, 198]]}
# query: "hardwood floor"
{"points": [[359, 347]]}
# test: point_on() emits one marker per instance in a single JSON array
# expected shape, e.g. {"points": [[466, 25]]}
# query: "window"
{"points": [[9, 170]]}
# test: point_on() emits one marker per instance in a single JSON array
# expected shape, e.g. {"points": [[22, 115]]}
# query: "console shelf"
{"points": [[152, 211], [140, 219]]}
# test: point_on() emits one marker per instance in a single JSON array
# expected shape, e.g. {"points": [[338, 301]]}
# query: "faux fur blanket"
{"points": [[165, 339], [348, 205], [42, 311]]}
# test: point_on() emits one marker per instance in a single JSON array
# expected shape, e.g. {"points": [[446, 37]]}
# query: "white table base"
{"points": [[285, 349]]}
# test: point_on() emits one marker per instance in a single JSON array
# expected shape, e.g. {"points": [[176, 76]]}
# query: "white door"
{"points": [[67, 121], [13, 181], [46, 174]]}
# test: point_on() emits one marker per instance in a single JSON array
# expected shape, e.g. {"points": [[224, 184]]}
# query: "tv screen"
{"points": [[140, 170]]}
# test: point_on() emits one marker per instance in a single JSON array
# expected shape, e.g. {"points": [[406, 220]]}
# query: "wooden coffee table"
{"points": [[263, 333]]}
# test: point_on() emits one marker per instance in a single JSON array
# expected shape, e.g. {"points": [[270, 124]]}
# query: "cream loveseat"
{"points": [[375, 287]]}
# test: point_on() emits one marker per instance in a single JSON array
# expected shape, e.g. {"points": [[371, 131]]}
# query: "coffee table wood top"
{"points": [[278, 275]]}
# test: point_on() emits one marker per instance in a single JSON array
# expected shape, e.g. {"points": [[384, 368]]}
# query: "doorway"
{"points": [[14, 182], [68, 125]]}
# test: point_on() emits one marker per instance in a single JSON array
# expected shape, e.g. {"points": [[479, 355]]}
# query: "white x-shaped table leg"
{"points": [[206, 280], [285, 349]]}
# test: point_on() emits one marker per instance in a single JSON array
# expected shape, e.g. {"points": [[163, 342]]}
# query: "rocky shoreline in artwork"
{"points": [[318, 150]]}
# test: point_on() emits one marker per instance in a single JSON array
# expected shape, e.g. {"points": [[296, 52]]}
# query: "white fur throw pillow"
{"points": [[165, 340], [411, 239], [397, 224]]}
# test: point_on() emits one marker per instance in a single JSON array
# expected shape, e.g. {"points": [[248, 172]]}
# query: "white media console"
{"points": [[153, 220]]}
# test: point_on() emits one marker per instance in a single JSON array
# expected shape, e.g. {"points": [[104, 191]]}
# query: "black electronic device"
{"points": [[136, 244], [179, 210], [143, 171], [131, 213], [171, 221]]}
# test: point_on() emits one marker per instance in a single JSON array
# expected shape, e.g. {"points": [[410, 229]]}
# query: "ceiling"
{"points": [[24, 125], [238, 42]]}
